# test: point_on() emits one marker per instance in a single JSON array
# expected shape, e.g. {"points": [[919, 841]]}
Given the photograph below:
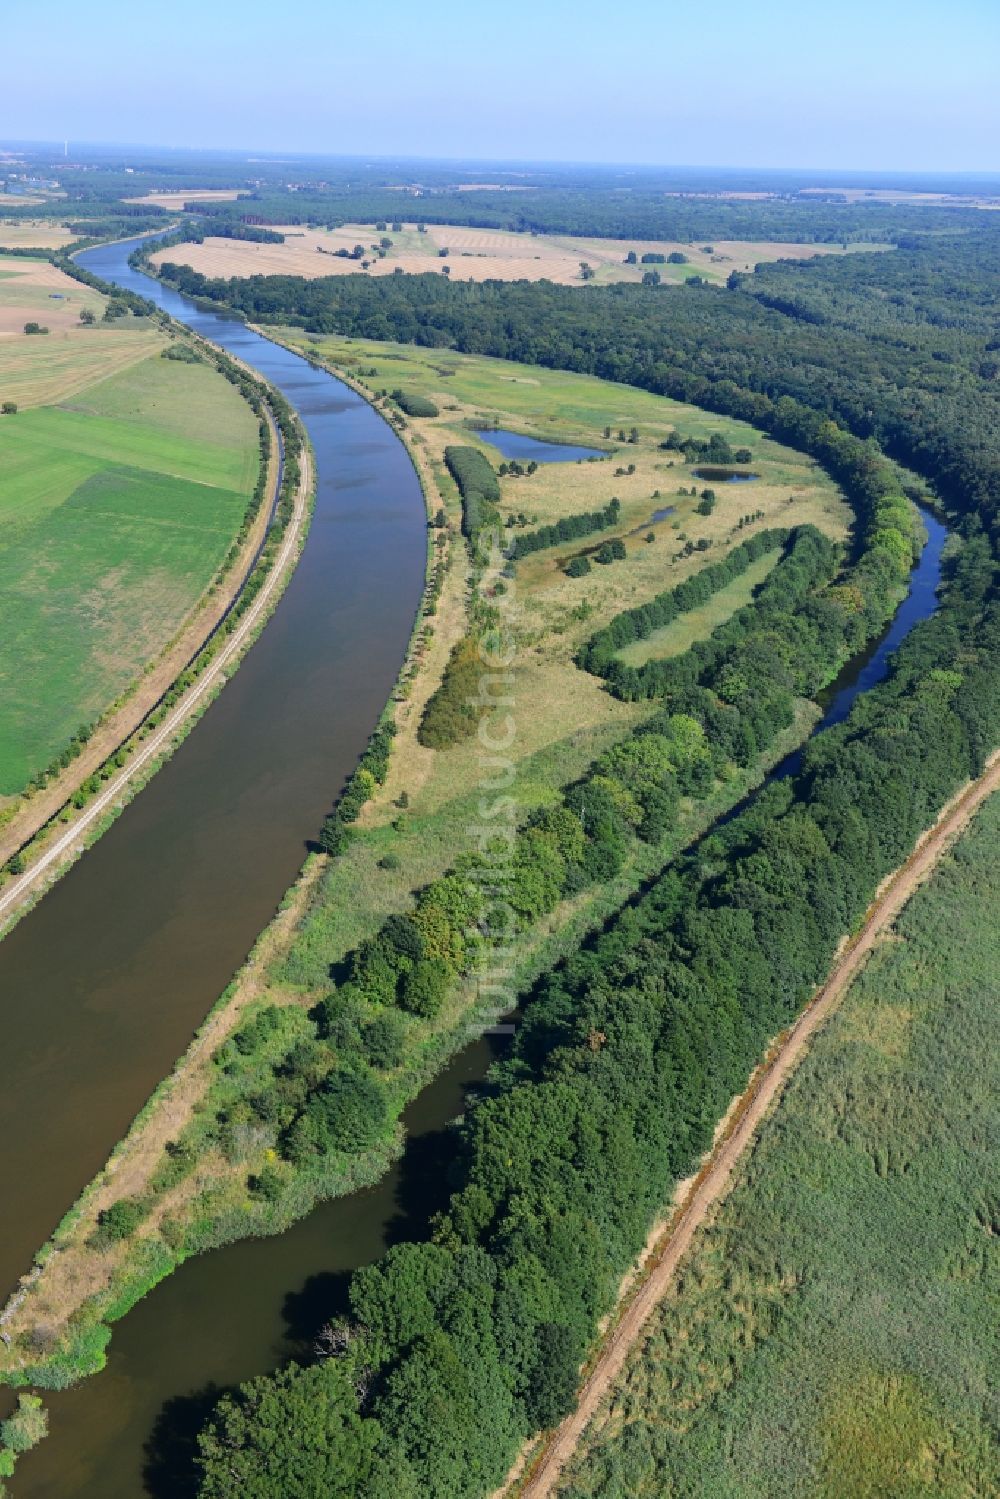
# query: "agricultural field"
{"points": [[177, 199], [38, 291], [37, 234], [120, 502], [43, 369], [477, 255], [833, 1331]]}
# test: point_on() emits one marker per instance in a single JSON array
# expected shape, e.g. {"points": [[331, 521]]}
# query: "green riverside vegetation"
{"points": [[458, 1348], [631, 1052], [832, 1333]]}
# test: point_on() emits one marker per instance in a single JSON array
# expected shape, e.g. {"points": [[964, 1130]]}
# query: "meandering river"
{"points": [[103, 983]]}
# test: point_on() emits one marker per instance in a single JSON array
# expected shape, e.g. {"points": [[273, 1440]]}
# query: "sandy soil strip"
{"points": [[70, 843], [715, 1176]]}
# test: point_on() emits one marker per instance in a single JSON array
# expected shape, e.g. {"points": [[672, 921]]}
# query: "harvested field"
{"points": [[193, 195], [40, 369], [40, 234], [37, 291], [477, 255]]}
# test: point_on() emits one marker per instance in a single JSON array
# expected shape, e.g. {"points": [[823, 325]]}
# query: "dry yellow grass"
{"points": [[473, 255], [37, 291], [34, 234], [39, 370], [44, 371]]}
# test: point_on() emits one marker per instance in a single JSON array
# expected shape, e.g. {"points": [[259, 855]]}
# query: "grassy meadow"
{"points": [[564, 718], [833, 1332], [118, 507]]}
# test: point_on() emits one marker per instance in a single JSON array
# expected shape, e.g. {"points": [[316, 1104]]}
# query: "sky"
{"points": [[892, 84]]}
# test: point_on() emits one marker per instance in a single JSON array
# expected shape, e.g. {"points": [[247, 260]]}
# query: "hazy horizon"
{"points": [[891, 90]]}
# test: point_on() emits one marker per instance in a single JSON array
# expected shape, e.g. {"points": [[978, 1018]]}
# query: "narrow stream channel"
{"points": [[241, 1310]]}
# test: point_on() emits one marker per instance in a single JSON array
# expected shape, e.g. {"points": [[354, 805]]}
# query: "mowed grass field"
{"points": [[833, 1334], [478, 255], [118, 506], [41, 369], [564, 717]]}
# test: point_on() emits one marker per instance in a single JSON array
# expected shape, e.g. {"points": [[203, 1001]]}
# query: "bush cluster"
{"points": [[413, 404]]}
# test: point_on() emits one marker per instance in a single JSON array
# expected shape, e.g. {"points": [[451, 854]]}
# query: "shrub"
{"points": [[577, 567], [120, 1220], [414, 405], [611, 551], [451, 714], [570, 528], [183, 353], [477, 484], [268, 1184], [347, 1112], [26, 1427], [425, 987]]}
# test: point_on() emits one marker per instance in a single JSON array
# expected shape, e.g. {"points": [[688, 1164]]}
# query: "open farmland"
{"points": [[476, 255], [42, 369], [38, 234], [177, 199], [37, 291], [118, 507], [833, 1330]]}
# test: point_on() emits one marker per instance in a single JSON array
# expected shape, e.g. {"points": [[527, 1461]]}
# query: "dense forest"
{"points": [[457, 1349], [610, 215]]}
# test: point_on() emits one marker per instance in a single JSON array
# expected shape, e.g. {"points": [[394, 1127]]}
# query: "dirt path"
{"points": [[121, 722], [715, 1176], [71, 842]]}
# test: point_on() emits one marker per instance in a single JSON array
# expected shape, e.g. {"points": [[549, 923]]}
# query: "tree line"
{"points": [[569, 528]]}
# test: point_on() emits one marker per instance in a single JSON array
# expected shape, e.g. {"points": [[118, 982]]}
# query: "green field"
{"points": [[834, 1332], [117, 508]]}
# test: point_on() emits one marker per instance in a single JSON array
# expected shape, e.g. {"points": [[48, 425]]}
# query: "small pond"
{"points": [[528, 449], [724, 475], [660, 514]]}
